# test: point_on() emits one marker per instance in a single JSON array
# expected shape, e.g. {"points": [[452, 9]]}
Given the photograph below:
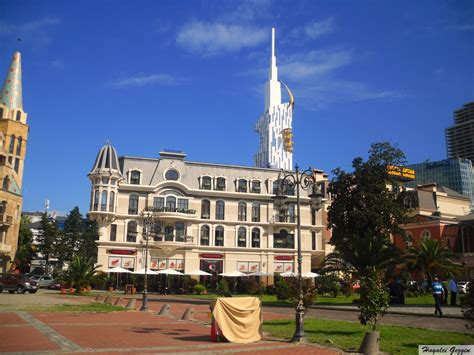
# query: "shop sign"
{"points": [[211, 256], [284, 257], [121, 252]]}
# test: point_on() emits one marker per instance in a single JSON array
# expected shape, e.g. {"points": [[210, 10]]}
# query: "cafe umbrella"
{"points": [[117, 270]]}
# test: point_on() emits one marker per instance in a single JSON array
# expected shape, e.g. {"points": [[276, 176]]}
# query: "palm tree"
{"points": [[81, 271], [432, 257]]}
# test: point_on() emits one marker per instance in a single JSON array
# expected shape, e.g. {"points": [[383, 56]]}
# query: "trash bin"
{"points": [[236, 319]]}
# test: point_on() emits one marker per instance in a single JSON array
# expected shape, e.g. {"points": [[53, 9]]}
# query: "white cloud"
{"points": [[214, 38], [34, 33], [143, 80], [318, 28]]}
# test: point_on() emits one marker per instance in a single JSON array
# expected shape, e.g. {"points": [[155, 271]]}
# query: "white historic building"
{"points": [[206, 216], [274, 126]]}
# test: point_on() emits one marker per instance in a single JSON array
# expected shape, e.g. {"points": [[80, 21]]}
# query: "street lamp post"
{"points": [[147, 218], [304, 180]]}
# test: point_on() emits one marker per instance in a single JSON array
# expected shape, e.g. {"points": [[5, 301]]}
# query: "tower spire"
{"points": [[273, 87], [11, 93]]}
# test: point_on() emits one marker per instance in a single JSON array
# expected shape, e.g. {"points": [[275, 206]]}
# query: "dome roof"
{"points": [[106, 161]]}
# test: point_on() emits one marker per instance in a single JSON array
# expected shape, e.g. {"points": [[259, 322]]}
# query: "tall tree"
{"points": [[90, 235], [47, 237], [71, 238], [25, 250], [367, 208]]}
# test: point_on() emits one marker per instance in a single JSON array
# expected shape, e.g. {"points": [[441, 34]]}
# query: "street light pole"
{"points": [[304, 180], [147, 220]]}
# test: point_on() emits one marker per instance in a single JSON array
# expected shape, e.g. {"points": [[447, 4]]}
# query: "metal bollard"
{"points": [[188, 314], [131, 303], [165, 310], [118, 301]]}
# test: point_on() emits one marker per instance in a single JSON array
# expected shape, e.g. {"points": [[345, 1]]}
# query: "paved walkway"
{"points": [[143, 332]]}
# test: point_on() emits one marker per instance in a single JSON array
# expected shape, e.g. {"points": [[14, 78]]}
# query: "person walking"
{"points": [[453, 289], [438, 291]]}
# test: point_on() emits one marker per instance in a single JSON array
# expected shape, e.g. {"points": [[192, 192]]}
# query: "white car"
{"points": [[42, 280], [462, 286]]}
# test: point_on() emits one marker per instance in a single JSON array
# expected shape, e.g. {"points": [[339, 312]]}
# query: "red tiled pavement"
{"points": [[10, 318], [23, 338]]}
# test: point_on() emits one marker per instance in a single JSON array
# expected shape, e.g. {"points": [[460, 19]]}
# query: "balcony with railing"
{"points": [[172, 212], [5, 220], [282, 218]]}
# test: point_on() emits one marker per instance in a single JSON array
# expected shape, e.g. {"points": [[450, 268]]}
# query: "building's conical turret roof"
{"points": [[11, 95], [106, 161]]}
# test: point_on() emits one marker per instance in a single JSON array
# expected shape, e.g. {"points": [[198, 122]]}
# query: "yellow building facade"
{"points": [[13, 140]]}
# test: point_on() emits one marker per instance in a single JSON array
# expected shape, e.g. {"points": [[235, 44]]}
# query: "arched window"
{"points": [[18, 115], [255, 212], [133, 204], [283, 240], [132, 232], [11, 148], [205, 209], [18, 146], [425, 234], [112, 201], [242, 185], [135, 177], [242, 213], [220, 210], [287, 188], [103, 201], [96, 200], [242, 237], [219, 237], [206, 183], [220, 184], [6, 183], [255, 238], [204, 235], [170, 203], [256, 187]]}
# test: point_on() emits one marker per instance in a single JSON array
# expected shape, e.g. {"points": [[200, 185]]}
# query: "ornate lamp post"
{"points": [[147, 218], [304, 180]]}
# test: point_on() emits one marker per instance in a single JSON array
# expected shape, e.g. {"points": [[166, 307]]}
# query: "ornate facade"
{"points": [[13, 139], [206, 216]]}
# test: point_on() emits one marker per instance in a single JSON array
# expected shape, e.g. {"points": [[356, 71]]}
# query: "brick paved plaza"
{"points": [[131, 331]]}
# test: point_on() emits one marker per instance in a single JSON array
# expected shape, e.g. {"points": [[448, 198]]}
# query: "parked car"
{"points": [[55, 285], [18, 283], [42, 280], [462, 286]]}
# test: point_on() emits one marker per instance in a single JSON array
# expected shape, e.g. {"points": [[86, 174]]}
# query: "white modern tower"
{"points": [[274, 126]]}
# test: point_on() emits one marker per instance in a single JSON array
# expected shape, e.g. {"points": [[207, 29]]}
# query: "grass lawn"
{"points": [[349, 335], [90, 307]]}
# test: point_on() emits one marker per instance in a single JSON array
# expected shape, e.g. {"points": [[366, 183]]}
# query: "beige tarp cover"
{"points": [[239, 318]]}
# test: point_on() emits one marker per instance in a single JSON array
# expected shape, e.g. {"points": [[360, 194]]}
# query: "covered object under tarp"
{"points": [[239, 318]]}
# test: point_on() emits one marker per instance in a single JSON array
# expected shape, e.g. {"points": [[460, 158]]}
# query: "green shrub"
{"points": [[282, 290], [374, 299], [467, 303], [223, 287], [199, 289], [250, 286], [309, 291]]}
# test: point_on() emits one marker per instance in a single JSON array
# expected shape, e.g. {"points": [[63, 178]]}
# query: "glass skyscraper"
{"points": [[456, 174]]}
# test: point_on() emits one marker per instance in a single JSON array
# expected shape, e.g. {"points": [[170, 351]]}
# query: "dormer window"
{"points": [[135, 177], [220, 184], [206, 183], [242, 185], [256, 187]]}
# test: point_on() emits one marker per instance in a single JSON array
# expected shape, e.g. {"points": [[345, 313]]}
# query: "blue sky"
{"points": [[189, 75]]}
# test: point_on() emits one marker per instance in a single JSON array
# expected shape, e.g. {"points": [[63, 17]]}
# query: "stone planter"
{"points": [[370, 344]]}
